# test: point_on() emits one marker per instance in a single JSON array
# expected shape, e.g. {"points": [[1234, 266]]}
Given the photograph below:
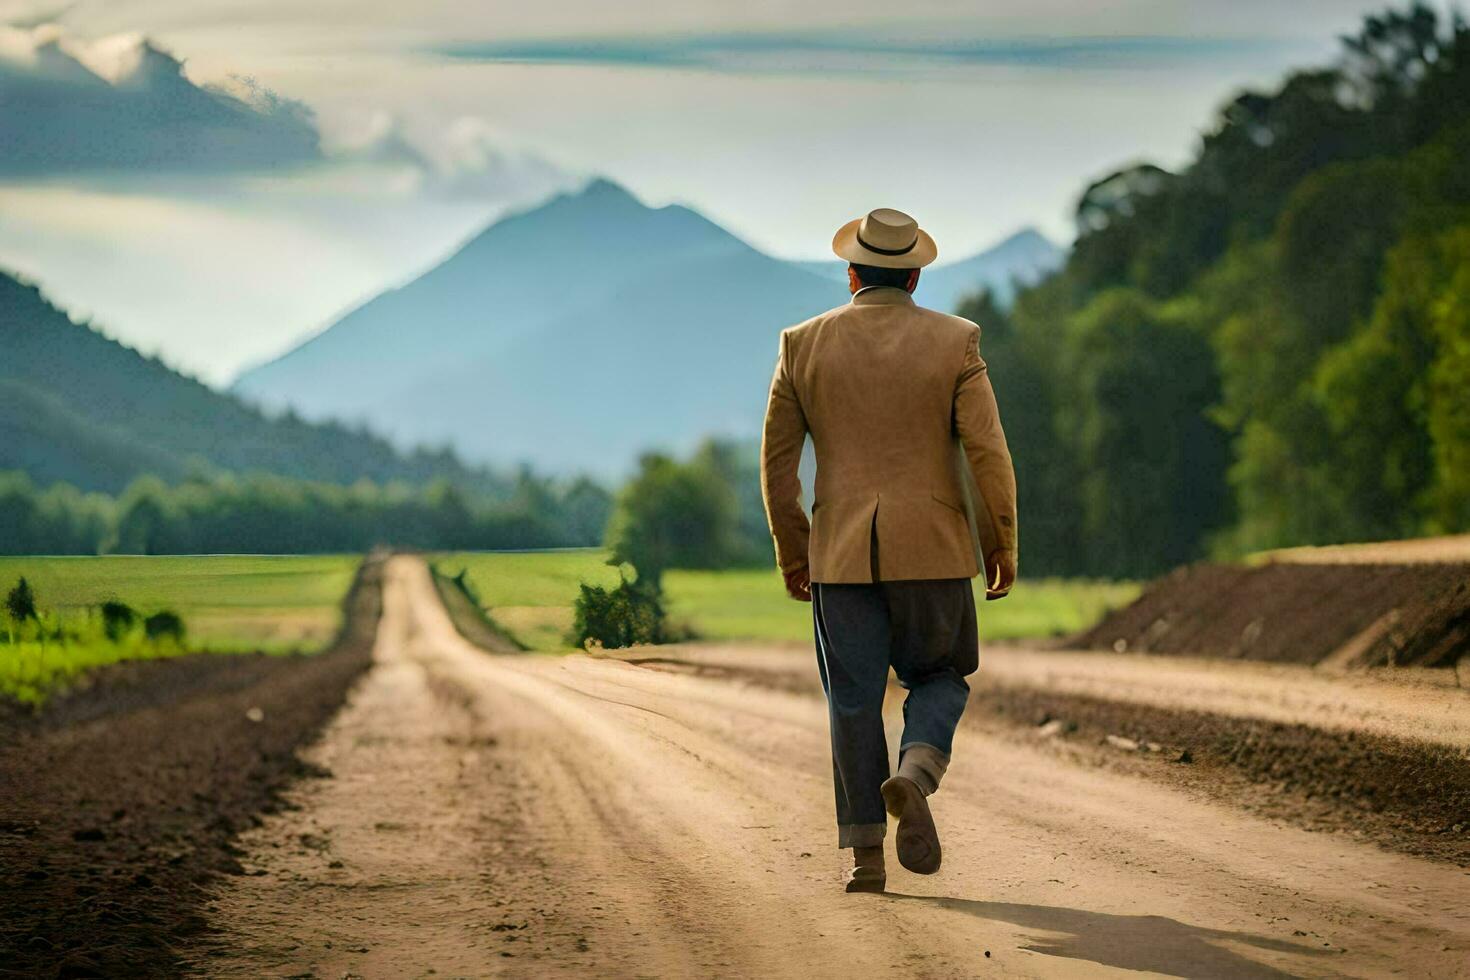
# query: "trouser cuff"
{"points": [[861, 834], [922, 763]]}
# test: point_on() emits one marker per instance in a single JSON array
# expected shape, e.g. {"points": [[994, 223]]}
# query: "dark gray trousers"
{"points": [[925, 631]]}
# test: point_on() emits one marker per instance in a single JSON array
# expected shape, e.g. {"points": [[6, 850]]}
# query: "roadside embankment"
{"points": [[1337, 614], [118, 800], [468, 616]]}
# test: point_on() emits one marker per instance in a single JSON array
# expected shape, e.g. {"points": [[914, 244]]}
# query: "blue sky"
{"points": [[777, 119]]}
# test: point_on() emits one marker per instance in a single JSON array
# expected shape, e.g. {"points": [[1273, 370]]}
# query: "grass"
{"points": [[229, 604], [530, 595], [752, 604]]}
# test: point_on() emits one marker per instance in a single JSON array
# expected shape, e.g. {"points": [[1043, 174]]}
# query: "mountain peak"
{"points": [[598, 197], [603, 187], [1029, 236], [581, 225], [1025, 257]]}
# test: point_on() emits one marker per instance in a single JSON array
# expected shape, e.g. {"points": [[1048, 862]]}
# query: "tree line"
{"points": [[264, 514], [1271, 346]]}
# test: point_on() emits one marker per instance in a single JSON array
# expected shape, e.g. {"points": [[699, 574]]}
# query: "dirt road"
{"points": [[538, 816]]}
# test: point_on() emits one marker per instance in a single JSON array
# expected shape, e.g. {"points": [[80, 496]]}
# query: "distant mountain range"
{"points": [[580, 333], [78, 407]]}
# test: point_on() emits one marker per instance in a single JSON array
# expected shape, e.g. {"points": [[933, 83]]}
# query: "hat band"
{"points": [[887, 251]]}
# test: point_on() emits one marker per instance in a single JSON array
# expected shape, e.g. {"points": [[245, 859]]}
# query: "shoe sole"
{"points": [[917, 840], [872, 885]]}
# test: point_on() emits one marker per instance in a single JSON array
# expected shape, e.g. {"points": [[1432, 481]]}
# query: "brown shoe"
{"points": [[868, 874], [917, 840]]}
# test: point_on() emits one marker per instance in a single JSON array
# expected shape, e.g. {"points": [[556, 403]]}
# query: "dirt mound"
{"points": [[1344, 614], [120, 800]]}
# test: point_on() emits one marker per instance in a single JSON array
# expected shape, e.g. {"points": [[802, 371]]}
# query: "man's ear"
{"points": [[853, 282], [913, 281]]}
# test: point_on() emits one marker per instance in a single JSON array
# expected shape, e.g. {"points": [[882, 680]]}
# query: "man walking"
{"points": [[901, 414]]}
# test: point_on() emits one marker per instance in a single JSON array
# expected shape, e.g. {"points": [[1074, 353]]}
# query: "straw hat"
{"points": [[885, 238]]}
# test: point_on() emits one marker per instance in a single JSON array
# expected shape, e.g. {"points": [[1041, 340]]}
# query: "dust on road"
{"points": [[543, 816]]}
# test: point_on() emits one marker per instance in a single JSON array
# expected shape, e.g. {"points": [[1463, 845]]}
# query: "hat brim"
{"points": [[846, 246]]}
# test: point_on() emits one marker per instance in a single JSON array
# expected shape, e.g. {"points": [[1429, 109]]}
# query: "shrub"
{"points": [[20, 603], [164, 625], [117, 619], [618, 617]]}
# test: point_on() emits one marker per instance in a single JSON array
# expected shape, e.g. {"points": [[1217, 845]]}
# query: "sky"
{"points": [[213, 180]]}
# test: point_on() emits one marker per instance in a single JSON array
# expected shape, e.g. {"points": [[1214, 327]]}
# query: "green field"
{"points": [[229, 603], [752, 604], [530, 595]]}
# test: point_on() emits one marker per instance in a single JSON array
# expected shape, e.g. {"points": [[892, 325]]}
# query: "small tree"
{"points": [[20, 605], [671, 515], [117, 619]]}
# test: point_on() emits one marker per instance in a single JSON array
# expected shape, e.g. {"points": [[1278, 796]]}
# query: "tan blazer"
{"points": [[888, 391]]}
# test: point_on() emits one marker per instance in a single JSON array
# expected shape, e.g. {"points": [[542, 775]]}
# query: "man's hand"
{"points": [[799, 584], [1000, 568]]}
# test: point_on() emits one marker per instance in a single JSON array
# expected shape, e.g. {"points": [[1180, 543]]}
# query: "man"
{"points": [[902, 417]]}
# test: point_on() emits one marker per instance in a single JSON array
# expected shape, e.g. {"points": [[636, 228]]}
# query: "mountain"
{"points": [[78, 407], [576, 335], [1026, 257]]}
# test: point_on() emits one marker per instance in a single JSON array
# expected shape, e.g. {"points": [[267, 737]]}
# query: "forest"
{"points": [[1271, 346]]}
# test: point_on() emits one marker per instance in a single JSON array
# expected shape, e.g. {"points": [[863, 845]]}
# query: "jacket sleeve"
{"points": [[781, 443], [977, 422]]}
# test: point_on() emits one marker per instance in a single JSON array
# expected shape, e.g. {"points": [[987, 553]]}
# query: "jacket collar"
{"points": [[882, 296]]}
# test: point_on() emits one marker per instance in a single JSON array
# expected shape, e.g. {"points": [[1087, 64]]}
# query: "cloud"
{"points": [[476, 163], [468, 159], [867, 52], [385, 142], [38, 16], [122, 104]]}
